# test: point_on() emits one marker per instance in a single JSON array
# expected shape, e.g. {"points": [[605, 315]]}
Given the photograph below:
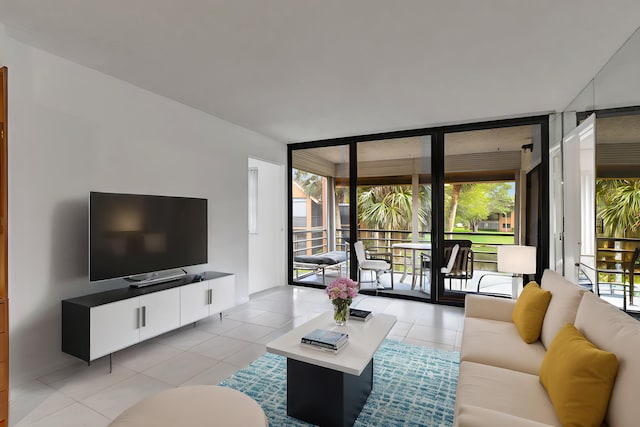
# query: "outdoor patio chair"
{"points": [[376, 265], [460, 265], [458, 257]]}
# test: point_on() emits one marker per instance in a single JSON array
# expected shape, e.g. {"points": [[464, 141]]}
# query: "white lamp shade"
{"points": [[517, 259]]}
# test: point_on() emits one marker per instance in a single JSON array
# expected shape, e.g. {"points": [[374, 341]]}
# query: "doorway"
{"points": [[265, 225]]}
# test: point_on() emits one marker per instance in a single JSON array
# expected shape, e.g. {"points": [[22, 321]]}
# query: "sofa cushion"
{"points": [[578, 377], [497, 343], [612, 330], [528, 313], [565, 298], [503, 390], [473, 416]]}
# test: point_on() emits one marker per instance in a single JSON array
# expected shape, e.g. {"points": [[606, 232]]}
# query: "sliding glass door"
{"points": [[484, 205], [319, 194], [394, 212], [410, 198]]}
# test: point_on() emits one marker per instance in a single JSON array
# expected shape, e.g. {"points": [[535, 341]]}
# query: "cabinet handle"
{"points": [[138, 318], [210, 296], [144, 316]]}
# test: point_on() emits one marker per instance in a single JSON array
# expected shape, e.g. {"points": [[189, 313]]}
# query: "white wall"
{"points": [[72, 130]]}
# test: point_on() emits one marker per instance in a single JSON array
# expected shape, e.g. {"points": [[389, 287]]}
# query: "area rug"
{"points": [[412, 386]]}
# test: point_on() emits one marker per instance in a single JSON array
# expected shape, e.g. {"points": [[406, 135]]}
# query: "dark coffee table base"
{"points": [[325, 397]]}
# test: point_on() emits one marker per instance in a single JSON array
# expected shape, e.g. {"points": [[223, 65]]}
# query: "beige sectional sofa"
{"points": [[498, 383]]}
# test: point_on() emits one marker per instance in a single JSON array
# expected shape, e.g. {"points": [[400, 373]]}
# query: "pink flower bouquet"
{"points": [[341, 293]]}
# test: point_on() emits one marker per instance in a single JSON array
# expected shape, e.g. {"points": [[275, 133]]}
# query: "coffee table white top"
{"points": [[364, 340]]}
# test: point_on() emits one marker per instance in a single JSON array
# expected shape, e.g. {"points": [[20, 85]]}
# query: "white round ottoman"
{"points": [[194, 406]]}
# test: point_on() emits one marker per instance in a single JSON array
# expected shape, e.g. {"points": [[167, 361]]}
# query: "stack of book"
{"points": [[361, 315], [321, 339]]}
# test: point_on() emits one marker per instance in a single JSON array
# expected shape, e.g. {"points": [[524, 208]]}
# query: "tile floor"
{"points": [[211, 351]]}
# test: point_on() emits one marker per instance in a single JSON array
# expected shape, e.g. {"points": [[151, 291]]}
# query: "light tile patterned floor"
{"points": [[81, 395]]}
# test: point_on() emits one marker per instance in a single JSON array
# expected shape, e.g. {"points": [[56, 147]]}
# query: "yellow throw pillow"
{"points": [[528, 313], [578, 377]]}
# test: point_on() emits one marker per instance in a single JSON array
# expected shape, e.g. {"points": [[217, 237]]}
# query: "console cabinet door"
{"points": [[223, 292], [194, 302], [160, 313], [113, 327]]}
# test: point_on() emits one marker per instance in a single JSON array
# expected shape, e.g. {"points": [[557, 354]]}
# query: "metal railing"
{"points": [[308, 242], [614, 258], [381, 240]]}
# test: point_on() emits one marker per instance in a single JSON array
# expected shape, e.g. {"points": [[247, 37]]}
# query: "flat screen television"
{"points": [[131, 234]]}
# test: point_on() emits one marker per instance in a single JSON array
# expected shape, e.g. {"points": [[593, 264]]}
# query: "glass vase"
{"points": [[340, 312]]}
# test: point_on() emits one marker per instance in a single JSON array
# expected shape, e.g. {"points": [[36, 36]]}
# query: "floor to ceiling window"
{"points": [[319, 214], [484, 204], [407, 196], [394, 212]]}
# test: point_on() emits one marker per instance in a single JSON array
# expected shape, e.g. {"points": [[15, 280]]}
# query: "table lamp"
{"points": [[518, 260]]}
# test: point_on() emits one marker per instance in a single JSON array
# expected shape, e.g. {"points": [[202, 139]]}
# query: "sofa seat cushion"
{"points": [[473, 416], [562, 309], [503, 390], [612, 330], [497, 343]]}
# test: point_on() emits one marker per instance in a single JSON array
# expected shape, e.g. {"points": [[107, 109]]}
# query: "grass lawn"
{"points": [[486, 237]]}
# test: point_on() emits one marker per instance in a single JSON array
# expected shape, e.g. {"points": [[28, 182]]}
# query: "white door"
{"points": [[578, 155], [266, 221]]}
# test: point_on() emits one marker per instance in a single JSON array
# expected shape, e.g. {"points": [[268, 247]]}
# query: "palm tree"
{"points": [[389, 207], [385, 207], [619, 206], [310, 183]]}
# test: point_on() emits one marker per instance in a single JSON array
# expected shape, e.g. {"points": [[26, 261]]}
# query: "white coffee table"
{"points": [[330, 389]]}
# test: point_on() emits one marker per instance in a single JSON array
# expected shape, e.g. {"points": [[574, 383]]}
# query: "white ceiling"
{"points": [[416, 147], [300, 70]]}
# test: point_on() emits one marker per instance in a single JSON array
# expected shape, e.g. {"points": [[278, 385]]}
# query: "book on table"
{"points": [[361, 315], [331, 340], [316, 347]]}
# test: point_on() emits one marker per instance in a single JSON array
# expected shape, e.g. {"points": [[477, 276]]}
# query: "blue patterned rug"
{"points": [[412, 386]]}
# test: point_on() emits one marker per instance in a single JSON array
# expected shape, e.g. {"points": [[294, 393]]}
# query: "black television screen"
{"points": [[133, 234]]}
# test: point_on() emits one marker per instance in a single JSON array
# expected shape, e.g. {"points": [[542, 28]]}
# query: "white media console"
{"points": [[100, 324]]}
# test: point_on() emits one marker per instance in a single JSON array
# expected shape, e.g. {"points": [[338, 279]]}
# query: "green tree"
{"points": [[474, 205], [618, 202], [452, 201], [452, 197], [389, 207], [501, 199], [385, 207]]}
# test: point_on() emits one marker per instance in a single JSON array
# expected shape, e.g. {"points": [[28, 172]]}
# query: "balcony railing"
{"points": [[613, 268], [381, 240], [309, 241]]}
